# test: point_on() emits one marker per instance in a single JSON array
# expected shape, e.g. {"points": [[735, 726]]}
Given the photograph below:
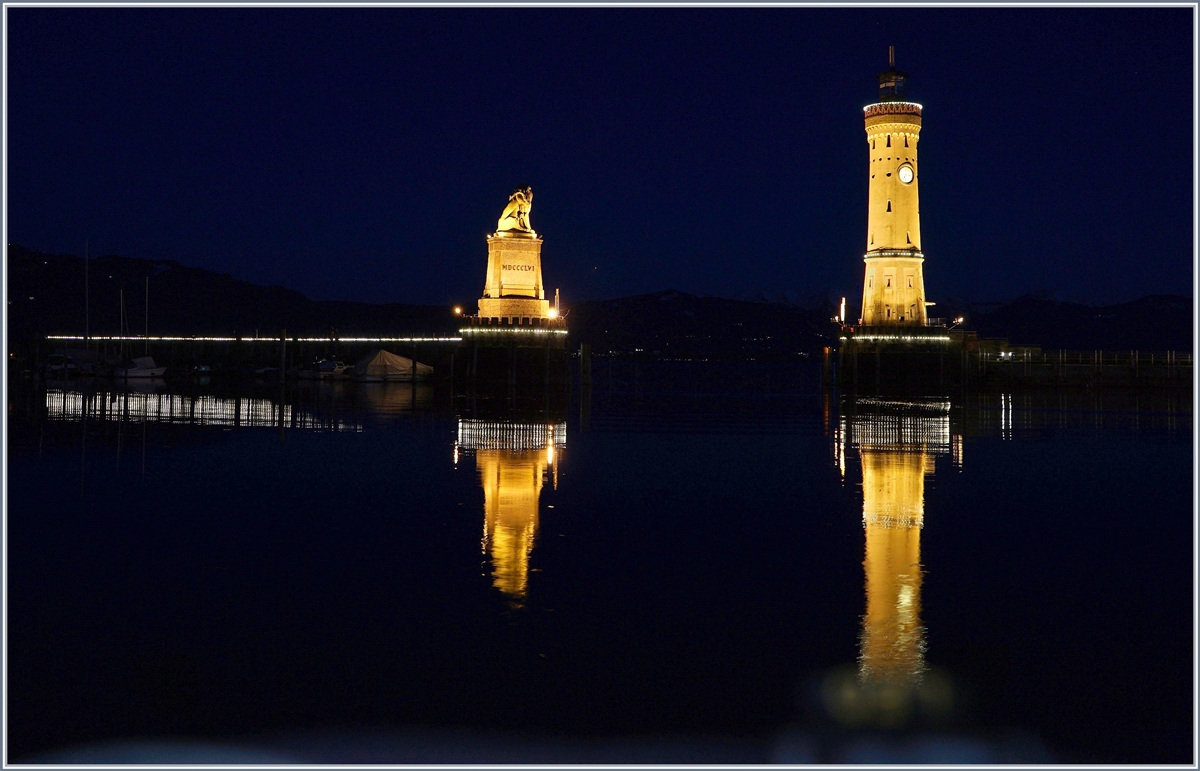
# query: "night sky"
{"points": [[364, 153]]}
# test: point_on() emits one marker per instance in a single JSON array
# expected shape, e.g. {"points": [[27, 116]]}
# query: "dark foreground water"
{"points": [[691, 562]]}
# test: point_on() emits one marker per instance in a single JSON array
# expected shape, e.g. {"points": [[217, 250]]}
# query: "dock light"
{"points": [[552, 313], [457, 310]]}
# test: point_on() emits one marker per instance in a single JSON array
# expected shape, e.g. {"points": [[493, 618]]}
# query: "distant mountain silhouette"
{"points": [[46, 296], [1153, 323], [673, 324], [802, 299]]}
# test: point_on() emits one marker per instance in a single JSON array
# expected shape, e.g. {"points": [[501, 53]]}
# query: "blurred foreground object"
{"points": [[418, 746]]}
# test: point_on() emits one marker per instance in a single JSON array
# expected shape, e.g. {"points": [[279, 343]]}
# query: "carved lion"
{"points": [[516, 213]]}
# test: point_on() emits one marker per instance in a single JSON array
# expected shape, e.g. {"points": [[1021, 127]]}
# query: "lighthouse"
{"points": [[893, 282]]}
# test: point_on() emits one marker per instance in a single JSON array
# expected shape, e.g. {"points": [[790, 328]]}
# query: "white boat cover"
{"points": [[144, 362], [388, 366]]}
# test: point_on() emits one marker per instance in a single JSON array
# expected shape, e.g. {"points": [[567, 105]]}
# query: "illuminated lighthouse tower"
{"points": [[893, 284]]}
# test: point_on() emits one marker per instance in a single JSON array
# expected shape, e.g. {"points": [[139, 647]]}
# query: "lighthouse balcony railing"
{"points": [[543, 322], [929, 322]]}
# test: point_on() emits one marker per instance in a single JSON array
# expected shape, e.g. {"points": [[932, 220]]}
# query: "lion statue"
{"points": [[516, 213]]}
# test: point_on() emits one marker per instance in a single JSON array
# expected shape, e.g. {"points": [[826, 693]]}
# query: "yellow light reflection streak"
{"points": [[897, 444], [892, 646], [513, 461], [138, 407]]}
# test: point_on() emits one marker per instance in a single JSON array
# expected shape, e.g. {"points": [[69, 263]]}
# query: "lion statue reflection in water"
{"points": [[516, 213]]}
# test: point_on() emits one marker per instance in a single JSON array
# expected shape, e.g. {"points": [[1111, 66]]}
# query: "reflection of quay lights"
{"points": [[918, 405], [185, 410], [900, 432], [491, 435]]}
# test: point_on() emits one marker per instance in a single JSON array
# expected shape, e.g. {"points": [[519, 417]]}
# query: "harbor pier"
{"points": [[242, 355], [932, 360], [878, 359]]}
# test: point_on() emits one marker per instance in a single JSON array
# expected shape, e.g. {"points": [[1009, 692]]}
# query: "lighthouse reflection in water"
{"points": [[514, 460], [898, 444]]}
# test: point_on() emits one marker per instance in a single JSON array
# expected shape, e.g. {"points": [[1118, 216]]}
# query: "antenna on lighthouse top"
{"points": [[891, 83]]}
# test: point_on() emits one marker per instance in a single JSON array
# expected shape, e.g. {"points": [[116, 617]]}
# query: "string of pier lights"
{"points": [[907, 338], [168, 339], [257, 339]]}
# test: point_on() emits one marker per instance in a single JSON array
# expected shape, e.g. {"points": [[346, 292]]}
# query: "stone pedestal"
{"points": [[514, 286], [513, 308]]}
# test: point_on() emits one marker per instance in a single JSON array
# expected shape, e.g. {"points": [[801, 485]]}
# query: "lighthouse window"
{"points": [[906, 141], [910, 282], [889, 282], [889, 140], [908, 238], [872, 144], [889, 205]]}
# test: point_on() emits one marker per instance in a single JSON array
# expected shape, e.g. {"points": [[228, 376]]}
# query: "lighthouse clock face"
{"points": [[906, 174]]}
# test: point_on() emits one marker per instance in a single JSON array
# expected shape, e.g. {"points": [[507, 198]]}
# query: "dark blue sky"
{"points": [[364, 153]]}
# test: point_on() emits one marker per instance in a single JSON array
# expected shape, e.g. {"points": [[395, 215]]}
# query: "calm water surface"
{"points": [[703, 550]]}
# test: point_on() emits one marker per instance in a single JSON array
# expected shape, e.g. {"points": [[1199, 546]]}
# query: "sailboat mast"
{"points": [[122, 323], [146, 334], [87, 311]]}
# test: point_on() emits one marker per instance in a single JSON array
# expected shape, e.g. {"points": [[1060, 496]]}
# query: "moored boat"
{"points": [[142, 366], [325, 369], [59, 366], [380, 366]]}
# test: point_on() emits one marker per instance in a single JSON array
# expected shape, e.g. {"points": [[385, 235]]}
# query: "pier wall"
{"points": [[932, 360], [236, 356]]}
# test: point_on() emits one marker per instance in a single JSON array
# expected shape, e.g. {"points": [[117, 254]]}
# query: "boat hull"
{"points": [[387, 378], [134, 372]]}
